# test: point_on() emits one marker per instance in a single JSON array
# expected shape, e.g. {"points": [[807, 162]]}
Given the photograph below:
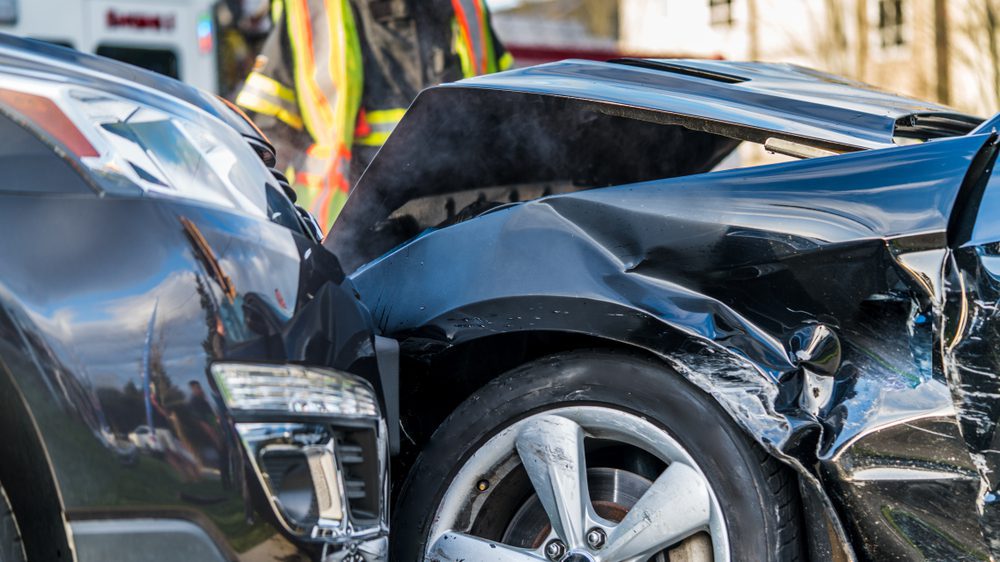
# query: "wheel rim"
{"points": [[676, 516]]}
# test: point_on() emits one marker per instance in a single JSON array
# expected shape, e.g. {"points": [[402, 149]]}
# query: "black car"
{"points": [[185, 373], [622, 342]]}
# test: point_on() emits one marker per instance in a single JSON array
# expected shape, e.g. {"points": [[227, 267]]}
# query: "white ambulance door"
{"points": [[172, 37], [37, 19]]}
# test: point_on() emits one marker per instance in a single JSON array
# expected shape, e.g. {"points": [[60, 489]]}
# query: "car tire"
{"points": [[469, 494], [11, 547]]}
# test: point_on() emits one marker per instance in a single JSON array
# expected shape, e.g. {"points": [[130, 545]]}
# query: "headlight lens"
{"points": [[296, 390], [178, 153]]}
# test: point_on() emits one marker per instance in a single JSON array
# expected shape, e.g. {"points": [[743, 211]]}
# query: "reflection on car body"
{"points": [[154, 272]]}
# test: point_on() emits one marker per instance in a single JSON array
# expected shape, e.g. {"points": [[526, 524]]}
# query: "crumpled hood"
{"points": [[578, 125]]}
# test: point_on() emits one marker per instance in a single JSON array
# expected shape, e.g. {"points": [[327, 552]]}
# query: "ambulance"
{"points": [[173, 37]]}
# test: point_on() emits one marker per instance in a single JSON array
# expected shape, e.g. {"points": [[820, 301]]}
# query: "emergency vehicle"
{"points": [[173, 37]]}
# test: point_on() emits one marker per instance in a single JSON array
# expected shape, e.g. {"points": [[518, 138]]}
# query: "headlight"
{"points": [[317, 442], [165, 149]]}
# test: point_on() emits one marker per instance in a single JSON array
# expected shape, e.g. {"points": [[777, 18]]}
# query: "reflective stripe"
{"points": [[380, 124], [506, 61], [384, 116], [328, 82], [350, 72], [260, 83], [267, 105], [373, 139], [328, 71], [314, 106], [267, 96], [484, 28], [461, 49], [319, 151], [470, 15]]}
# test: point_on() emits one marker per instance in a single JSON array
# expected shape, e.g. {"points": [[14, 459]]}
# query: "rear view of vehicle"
{"points": [[185, 374]]}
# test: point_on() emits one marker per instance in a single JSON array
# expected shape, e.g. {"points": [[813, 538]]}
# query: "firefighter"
{"points": [[335, 76]]}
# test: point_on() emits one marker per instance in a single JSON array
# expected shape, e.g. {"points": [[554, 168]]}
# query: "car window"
{"points": [[8, 11], [162, 61], [58, 42]]}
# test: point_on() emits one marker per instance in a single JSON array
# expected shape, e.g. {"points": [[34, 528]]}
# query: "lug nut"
{"points": [[555, 550], [483, 485], [596, 538]]}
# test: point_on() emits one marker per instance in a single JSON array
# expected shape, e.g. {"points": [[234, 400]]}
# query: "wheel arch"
{"points": [[27, 474], [447, 359], [432, 387], [439, 373]]}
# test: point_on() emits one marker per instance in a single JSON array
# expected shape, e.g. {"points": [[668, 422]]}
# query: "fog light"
{"points": [[316, 439]]}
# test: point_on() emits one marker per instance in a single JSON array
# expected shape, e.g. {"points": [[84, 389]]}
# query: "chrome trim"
{"points": [[302, 410]]}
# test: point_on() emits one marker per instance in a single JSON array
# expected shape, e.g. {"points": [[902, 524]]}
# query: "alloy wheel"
{"points": [[575, 512]]}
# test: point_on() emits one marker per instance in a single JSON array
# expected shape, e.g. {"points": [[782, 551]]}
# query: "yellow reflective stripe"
{"points": [[347, 74], [383, 116], [269, 86], [380, 122], [277, 11], [262, 105], [461, 49], [474, 30], [313, 104], [506, 61], [299, 30], [320, 151], [377, 138], [491, 60]]}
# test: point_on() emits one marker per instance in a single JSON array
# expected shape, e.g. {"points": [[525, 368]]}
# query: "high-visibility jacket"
{"points": [[335, 77]]}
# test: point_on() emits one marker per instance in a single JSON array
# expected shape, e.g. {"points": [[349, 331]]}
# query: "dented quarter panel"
{"points": [[720, 274]]}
